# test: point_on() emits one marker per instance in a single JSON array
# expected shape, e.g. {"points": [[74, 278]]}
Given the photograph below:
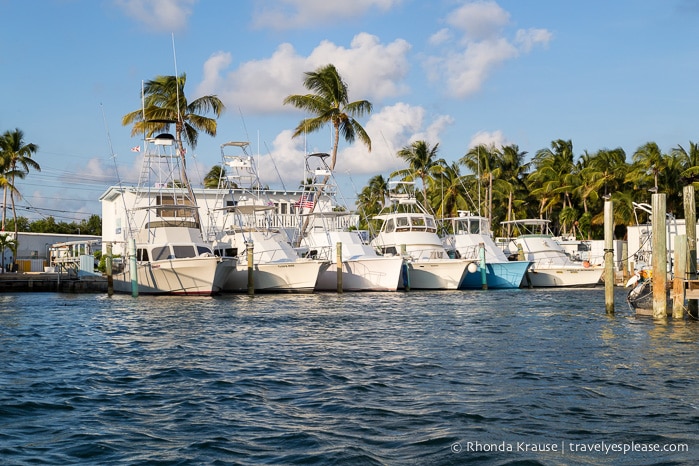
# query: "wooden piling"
{"points": [[609, 256], [406, 268], [109, 271], [250, 249], [690, 221], [133, 268], [678, 280], [339, 266], [484, 276], [659, 258]]}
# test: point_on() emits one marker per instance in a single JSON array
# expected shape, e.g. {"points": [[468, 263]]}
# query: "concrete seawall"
{"points": [[41, 281]]}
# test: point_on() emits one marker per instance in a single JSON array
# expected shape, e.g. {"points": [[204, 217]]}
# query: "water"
{"points": [[380, 378]]}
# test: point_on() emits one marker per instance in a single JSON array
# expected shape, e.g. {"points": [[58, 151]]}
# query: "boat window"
{"points": [[418, 223], [142, 254], [389, 226], [475, 227], [161, 253], [402, 224], [184, 251], [429, 221], [203, 250]]}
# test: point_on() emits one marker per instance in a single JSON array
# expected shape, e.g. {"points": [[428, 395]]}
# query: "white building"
{"points": [[34, 249]]}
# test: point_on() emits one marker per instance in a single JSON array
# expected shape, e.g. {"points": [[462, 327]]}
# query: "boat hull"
{"points": [[276, 277], [444, 274], [185, 276], [499, 275], [366, 274], [564, 277]]}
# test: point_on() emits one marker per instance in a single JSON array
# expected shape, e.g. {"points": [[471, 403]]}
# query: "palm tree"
{"points": [[329, 103], [371, 200], [165, 103], [216, 178], [510, 182], [553, 178], [483, 161], [16, 163], [422, 163], [448, 192], [647, 165]]}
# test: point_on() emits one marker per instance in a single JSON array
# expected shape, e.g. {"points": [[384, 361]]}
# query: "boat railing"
{"points": [[429, 253], [469, 252]]}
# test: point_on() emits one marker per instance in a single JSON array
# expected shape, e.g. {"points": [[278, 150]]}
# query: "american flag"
{"points": [[136, 149], [306, 201]]}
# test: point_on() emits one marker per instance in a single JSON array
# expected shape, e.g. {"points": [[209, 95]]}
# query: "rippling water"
{"points": [[376, 378]]}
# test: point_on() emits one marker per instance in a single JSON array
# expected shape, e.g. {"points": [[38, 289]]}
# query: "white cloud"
{"points": [[466, 71], [159, 15], [486, 138], [483, 47], [440, 37], [528, 38], [296, 14], [479, 20], [260, 86], [390, 129]]}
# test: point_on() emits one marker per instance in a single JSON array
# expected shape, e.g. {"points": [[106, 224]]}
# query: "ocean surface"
{"points": [[500, 377]]}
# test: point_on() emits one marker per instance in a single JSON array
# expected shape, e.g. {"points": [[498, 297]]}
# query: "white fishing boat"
{"points": [[551, 266], [167, 252], [409, 231], [248, 228], [326, 234], [469, 237]]}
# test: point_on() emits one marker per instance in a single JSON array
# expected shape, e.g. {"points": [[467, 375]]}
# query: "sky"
{"points": [[602, 74]]}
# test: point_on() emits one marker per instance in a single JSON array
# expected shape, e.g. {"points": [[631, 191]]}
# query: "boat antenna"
{"points": [[274, 163], [116, 167], [478, 160]]}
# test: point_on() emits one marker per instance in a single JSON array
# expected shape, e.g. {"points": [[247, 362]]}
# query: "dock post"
{"points": [[609, 256], [659, 259], [625, 275], [481, 255], [679, 274], [339, 266], [690, 222], [133, 268], [250, 250], [406, 268], [108, 266]]}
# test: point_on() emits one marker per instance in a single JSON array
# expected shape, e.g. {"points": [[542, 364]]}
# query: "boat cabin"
{"points": [[409, 222]]}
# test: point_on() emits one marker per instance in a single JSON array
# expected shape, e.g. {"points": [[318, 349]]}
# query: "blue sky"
{"points": [[601, 73]]}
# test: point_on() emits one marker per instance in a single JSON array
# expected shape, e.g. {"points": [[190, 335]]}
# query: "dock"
{"points": [[53, 282]]}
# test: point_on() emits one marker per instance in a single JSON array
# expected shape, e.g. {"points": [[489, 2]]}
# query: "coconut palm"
{"points": [[165, 103], [329, 103], [648, 162], [448, 192], [690, 160], [16, 161], [553, 178], [422, 163], [216, 178], [509, 187], [484, 162], [371, 200]]}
